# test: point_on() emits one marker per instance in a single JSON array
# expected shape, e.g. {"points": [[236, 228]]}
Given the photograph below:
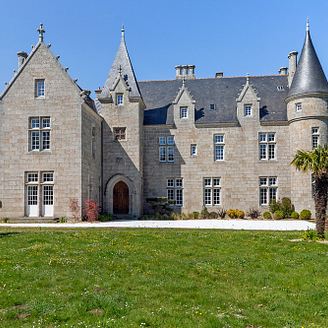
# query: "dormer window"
{"points": [[212, 106], [184, 112], [248, 110], [298, 107], [119, 99]]}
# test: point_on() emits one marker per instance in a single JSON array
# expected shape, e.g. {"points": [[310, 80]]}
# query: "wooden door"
{"points": [[121, 198]]}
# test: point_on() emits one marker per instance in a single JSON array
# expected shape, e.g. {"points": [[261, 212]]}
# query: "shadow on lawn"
{"points": [[7, 234]]}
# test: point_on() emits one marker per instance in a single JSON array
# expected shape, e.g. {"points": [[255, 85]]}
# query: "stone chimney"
{"points": [[22, 55], [185, 72], [283, 71], [292, 66], [218, 74], [98, 92]]}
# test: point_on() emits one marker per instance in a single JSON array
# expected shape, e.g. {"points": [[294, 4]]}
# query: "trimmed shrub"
{"points": [[295, 215], [232, 213], [213, 215], [253, 213], [305, 215], [240, 214], [222, 213], [286, 207], [267, 216], [105, 217], [274, 206], [204, 213], [278, 215], [196, 215]]}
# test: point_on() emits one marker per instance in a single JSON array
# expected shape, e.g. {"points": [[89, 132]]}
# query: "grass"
{"points": [[161, 278]]}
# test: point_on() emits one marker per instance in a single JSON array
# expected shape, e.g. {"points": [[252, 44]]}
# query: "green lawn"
{"points": [[161, 278]]}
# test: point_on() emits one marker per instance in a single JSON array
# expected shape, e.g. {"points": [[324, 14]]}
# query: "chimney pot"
{"points": [[283, 71], [22, 55], [292, 66]]}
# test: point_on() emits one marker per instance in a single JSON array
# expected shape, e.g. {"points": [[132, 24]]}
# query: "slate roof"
{"points": [[309, 76], [223, 92], [122, 59]]}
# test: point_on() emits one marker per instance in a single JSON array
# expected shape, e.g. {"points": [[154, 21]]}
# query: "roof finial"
{"points": [[307, 25], [122, 31], [247, 77], [41, 31]]}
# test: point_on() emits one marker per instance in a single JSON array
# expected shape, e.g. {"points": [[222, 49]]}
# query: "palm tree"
{"points": [[317, 162]]}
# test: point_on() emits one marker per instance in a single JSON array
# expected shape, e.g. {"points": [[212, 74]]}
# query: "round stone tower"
{"points": [[308, 118]]}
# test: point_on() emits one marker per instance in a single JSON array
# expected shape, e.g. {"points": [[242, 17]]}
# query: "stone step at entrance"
{"points": [[34, 220]]}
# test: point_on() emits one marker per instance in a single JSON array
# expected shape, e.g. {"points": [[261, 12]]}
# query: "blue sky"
{"points": [[236, 36]]}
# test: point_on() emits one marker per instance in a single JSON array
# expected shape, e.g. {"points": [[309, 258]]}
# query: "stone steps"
{"points": [[34, 220]]}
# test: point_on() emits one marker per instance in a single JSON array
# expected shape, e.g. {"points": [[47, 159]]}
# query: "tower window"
{"points": [[119, 99], [298, 107]]}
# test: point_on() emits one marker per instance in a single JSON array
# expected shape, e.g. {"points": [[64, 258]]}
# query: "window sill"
{"points": [[39, 152]]}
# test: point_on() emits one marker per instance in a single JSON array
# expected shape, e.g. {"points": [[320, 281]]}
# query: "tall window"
{"points": [[267, 146], [175, 190], [166, 149], [39, 88], [248, 110], [193, 150], [212, 191], [184, 112], [219, 147], [39, 131], [315, 137], [268, 189]]}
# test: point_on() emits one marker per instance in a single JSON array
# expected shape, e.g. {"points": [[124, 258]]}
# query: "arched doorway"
{"points": [[121, 198]]}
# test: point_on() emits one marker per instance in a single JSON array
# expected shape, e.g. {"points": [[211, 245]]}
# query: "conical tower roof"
{"points": [[122, 64], [309, 77]]}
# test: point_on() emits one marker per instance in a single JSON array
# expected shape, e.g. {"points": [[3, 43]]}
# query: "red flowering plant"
{"points": [[91, 210]]}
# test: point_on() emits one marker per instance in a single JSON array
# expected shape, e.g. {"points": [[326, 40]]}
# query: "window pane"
{"points": [[162, 154], [248, 110], [32, 177], [271, 137], [216, 196], [48, 195], [32, 195], [170, 140], [271, 151], [46, 140], [170, 154], [262, 137], [219, 139], [273, 193], [263, 196], [216, 182], [263, 181], [170, 194], [170, 183], [315, 141], [40, 90], [35, 140], [178, 183], [207, 182], [45, 123], [184, 112], [207, 196], [193, 149], [47, 177], [35, 123], [219, 152], [162, 140], [272, 181], [263, 151], [119, 99], [179, 199]]}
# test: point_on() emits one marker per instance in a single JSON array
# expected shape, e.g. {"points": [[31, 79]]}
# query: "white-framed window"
{"points": [[248, 110], [267, 146], [315, 137], [268, 189], [184, 112], [166, 149], [39, 88], [120, 133], [39, 133], [175, 190], [298, 107], [193, 150], [219, 147], [119, 99], [212, 191]]}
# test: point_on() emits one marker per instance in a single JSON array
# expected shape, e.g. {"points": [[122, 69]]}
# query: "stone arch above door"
{"points": [[109, 189]]}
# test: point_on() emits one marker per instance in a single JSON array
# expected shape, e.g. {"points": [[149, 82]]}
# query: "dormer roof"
{"points": [[121, 65], [309, 77]]}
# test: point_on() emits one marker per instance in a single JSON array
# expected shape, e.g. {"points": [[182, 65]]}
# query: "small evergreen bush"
{"points": [[196, 215], [105, 217], [278, 215], [204, 213], [286, 207], [305, 215], [267, 216], [295, 215], [213, 215]]}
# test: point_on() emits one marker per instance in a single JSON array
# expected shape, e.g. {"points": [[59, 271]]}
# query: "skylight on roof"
{"points": [[212, 106], [280, 88]]}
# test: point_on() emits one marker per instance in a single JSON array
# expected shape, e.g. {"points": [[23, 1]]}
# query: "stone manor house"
{"points": [[220, 142]]}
